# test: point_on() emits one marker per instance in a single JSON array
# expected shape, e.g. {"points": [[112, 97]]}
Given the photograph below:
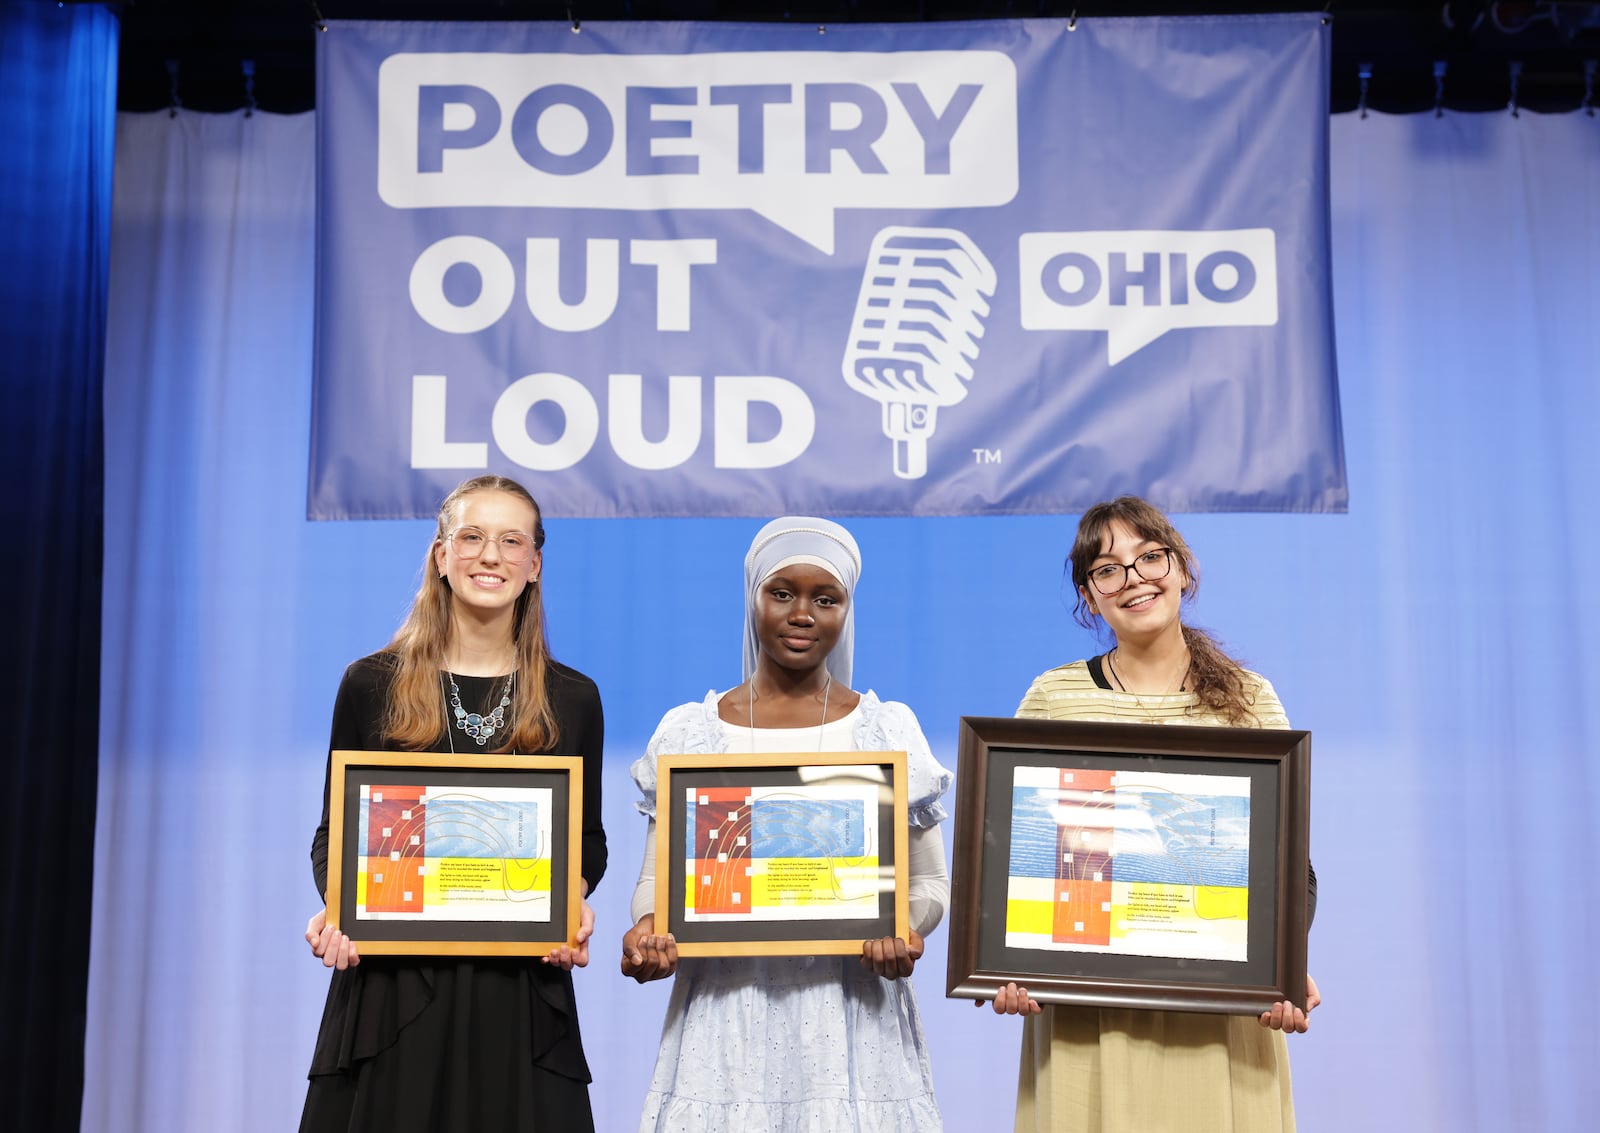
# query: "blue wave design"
{"points": [[808, 828], [1034, 832], [479, 828]]}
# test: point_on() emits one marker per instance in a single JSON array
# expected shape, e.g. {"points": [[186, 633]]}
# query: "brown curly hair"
{"points": [[1215, 678]]}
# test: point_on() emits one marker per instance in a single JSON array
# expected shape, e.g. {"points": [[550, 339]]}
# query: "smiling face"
{"points": [[488, 583], [1142, 610], [799, 614]]}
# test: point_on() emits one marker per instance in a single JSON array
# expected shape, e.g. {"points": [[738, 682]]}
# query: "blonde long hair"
{"points": [[1216, 678], [417, 714]]}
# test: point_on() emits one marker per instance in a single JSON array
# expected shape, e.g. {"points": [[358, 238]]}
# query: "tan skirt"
{"points": [[1087, 1070]]}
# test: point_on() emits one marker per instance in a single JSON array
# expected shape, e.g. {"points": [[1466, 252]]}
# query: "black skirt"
{"points": [[481, 1045]]}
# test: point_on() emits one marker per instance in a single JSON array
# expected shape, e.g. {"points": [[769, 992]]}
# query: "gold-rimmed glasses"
{"points": [[516, 547]]}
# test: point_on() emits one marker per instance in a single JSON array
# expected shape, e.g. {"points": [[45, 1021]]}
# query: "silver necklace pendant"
{"points": [[480, 726]]}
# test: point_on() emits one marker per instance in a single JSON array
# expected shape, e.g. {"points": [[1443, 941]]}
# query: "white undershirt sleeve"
{"points": [[644, 893], [929, 889]]}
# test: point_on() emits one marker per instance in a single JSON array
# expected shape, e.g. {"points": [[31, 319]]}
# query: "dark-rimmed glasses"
{"points": [[1112, 578], [516, 547]]}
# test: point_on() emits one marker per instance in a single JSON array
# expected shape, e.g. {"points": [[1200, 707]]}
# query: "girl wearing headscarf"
{"points": [[826, 1043]]}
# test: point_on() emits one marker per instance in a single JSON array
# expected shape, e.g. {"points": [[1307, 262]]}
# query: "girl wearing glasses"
{"points": [[1101, 1069], [795, 1044], [424, 1044]]}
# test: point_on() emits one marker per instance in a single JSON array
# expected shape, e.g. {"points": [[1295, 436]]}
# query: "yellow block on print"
{"points": [[1222, 902], [861, 882], [528, 875], [444, 878], [776, 882], [1029, 916]]}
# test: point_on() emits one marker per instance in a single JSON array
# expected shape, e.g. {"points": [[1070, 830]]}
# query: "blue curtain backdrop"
{"points": [[1440, 641], [58, 81]]}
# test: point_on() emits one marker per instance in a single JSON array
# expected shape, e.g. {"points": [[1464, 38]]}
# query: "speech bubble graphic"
{"points": [[793, 136], [1138, 285]]}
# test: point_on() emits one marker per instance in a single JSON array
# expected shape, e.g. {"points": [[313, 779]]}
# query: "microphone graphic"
{"points": [[924, 296]]}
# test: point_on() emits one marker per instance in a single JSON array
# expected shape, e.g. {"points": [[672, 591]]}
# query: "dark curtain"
{"points": [[57, 103]]}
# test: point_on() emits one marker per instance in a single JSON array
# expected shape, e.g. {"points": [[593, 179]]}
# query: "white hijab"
{"points": [[818, 542]]}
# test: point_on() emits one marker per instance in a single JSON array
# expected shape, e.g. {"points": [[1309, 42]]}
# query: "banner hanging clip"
{"points": [[1439, 68], [1589, 68], [1516, 81], [248, 67], [1364, 72], [174, 103]]}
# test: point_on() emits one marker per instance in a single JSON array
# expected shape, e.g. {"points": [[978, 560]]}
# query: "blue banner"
{"points": [[740, 270]]}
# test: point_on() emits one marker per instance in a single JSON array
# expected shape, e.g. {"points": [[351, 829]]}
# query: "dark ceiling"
{"points": [[197, 51]]}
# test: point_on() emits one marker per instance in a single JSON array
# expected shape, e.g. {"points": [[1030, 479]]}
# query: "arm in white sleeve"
{"points": [[644, 893], [930, 883]]}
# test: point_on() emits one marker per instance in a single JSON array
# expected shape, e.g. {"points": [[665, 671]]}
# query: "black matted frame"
{"points": [[563, 775], [675, 774], [1278, 765]]}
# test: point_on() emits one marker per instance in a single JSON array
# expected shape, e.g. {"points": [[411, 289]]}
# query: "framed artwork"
{"points": [[440, 854], [1131, 865], [781, 855]]}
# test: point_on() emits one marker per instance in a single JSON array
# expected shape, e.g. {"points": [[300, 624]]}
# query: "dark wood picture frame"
{"points": [[562, 775], [676, 774], [1278, 765]]}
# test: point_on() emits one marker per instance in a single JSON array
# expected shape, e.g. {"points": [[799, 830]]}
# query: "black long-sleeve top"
{"points": [[408, 1020], [358, 726]]}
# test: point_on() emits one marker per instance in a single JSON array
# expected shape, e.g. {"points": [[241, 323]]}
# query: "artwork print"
{"points": [[431, 853], [782, 853], [1129, 863]]}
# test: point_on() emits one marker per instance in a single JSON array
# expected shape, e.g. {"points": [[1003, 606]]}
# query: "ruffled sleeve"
{"points": [[688, 728], [888, 725]]}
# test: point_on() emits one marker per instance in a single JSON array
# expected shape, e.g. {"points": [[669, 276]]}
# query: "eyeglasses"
{"points": [[1112, 578], [516, 547]]}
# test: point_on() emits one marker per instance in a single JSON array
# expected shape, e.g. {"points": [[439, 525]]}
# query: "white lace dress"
{"points": [[813, 1044]]}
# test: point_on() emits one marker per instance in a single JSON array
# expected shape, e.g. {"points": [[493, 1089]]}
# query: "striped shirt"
{"points": [[1071, 692]]}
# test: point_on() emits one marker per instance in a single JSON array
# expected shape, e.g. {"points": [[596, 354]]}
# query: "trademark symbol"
{"points": [[986, 456]]}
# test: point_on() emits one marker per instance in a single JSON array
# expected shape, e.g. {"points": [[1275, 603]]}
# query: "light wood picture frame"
{"points": [[802, 854], [441, 854]]}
